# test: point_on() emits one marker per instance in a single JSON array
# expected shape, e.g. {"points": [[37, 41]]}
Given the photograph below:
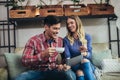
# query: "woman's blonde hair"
{"points": [[80, 31]]}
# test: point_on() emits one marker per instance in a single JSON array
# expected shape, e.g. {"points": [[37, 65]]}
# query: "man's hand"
{"points": [[49, 51], [66, 67], [63, 67], [60, 67]]}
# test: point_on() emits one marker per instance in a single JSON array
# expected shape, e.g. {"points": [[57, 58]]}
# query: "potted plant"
{"points": [[20, 10], [76, 1], [15, 5]]}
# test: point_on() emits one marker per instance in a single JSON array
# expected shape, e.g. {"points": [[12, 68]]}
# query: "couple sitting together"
{"points": [[41, 58]]}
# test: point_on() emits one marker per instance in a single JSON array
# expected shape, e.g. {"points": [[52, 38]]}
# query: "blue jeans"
{"points": [[47, 75], [87, 69]]}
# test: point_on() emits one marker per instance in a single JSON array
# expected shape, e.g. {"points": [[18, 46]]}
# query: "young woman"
{"points": [[76, 43]]}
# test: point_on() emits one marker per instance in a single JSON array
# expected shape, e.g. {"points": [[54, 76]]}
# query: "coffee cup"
{"points": [[60, 49]]}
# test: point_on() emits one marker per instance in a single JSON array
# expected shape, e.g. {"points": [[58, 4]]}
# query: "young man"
{"points": [[40, 55]]}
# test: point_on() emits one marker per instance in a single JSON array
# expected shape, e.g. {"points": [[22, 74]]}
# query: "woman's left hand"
{"points": [[84, 53], [83, 49]]}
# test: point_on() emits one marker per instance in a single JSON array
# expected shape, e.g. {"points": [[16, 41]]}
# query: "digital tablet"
{"points": [[74, 60]]}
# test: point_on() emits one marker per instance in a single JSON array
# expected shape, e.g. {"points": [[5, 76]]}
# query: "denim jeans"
{"points": [[88, 70], [47, 75]]}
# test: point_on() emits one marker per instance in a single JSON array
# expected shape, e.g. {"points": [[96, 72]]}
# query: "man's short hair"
{"points": [[51, 20]]}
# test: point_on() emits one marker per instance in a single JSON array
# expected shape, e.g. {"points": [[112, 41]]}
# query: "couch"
{"points": [[101, 59]]}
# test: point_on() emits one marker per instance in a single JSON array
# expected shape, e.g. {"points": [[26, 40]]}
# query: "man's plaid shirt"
{"points": [[32, 53]]}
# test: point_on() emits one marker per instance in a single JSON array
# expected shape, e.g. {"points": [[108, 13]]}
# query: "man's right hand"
{"points": [[49, 51], [63, 67], [66, 67]]}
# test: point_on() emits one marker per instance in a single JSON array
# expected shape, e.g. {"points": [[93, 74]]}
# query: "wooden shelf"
{"points": [[64, 17]]}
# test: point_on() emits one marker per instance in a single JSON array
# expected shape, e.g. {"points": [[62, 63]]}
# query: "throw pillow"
{"points": [[14, 64], [100, 46], [97, 57]]}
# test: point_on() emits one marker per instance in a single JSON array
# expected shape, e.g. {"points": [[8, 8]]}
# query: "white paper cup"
{"points": [[60, 49]]}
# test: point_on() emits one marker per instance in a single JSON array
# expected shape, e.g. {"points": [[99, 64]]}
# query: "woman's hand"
{"points": [[84, 53], [83, 50]]}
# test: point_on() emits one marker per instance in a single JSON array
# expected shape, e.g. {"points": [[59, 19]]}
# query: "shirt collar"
{"points": [[45, 39]]}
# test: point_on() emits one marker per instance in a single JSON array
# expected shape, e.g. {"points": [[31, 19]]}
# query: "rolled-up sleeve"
{"points": [[31, 56], [67, 52], [89, 46]]}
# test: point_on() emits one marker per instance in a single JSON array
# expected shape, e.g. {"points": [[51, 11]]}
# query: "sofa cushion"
{"points": [[14, 65], [3, 74], [110, 76], [111, 65], [98, 56]]}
